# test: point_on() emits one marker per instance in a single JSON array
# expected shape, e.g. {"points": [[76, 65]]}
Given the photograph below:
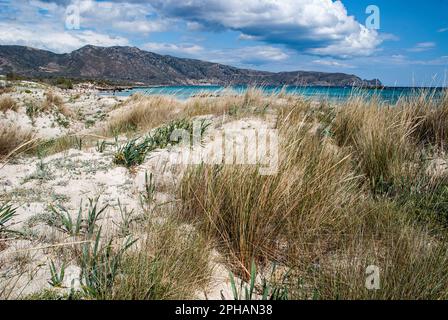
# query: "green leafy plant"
{"points": [[147, 197], [100, 265], [127, 217], [65, 221], [78, 141], [57, 278], [134, 151], [32, 110], [81, 225], [101, 146], [7, 212], [249, 291]]}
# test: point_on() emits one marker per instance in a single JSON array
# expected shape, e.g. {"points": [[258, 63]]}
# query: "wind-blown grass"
{"points": [[12, 138], [339, 203], [8, 103]]}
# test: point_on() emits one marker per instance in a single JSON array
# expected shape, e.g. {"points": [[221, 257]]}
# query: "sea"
{"points": [[386, 94]]}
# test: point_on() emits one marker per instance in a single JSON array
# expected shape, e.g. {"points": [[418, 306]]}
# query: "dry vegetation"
{"points": [[354, 188], [52, 100], [12, 138], [357, 195], [141, 113], [8, 103], [7, 89]]}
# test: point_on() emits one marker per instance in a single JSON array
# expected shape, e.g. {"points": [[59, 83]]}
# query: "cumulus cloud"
{"points": [[118, 16], [57, 41], [316, 27], [320, 27]]}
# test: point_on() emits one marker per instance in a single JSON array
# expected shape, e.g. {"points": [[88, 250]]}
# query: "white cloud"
{"points": [[251, 55], [246, 56], [140, 26], [316, 27], [120, 16], [400, 59], [332, 63], [423, 46], [443, 30], [170, 48], [254, 54], [320, 27], [53, 40]]}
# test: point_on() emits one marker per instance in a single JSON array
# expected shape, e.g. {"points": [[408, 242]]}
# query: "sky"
{"points": [[402, 43]]}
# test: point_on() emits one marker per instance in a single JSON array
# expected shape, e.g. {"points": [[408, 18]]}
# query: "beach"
{"points": [[95, 180]]}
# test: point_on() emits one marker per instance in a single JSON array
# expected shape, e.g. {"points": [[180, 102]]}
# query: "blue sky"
{"points": [[410, 46]]}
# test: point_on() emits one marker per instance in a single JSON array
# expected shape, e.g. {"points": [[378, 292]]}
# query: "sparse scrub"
{"points": [[14, 139], [141, 113], [172, 262], [8, 103], [64, 83], [134, 151], [6, 89], [359, 183], [52, 101]]}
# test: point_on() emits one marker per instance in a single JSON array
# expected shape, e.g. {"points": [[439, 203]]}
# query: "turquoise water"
{"points": [[387, 94]]}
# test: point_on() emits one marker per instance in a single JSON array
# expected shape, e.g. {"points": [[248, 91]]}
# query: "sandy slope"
{"points": [[71, 177]]}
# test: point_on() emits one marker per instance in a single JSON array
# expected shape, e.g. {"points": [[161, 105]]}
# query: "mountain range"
{"points": [[133, 66]]}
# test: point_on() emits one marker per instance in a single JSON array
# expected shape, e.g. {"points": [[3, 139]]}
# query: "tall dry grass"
{"points": [[254, 217], [141, 113], [430, 113], [172, 262], [337, 204], [378, 136], [253, 101], [8, 103], [12, 138], [53, 100]]}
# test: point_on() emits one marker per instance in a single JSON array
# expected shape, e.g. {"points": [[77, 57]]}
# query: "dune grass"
{"points": [[354, 188], [8, 103], [52, 101], [12, 138], [141, 113], [340, 202], [172, 262]]}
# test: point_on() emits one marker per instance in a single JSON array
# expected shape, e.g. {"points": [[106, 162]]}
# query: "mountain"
{"points": [[131, 65]]}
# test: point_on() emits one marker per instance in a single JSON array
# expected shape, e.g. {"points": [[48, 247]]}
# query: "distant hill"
{"points": [[131, 65]]}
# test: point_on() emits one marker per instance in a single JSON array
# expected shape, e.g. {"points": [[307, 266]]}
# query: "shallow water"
{"points": [[388, 94]]}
